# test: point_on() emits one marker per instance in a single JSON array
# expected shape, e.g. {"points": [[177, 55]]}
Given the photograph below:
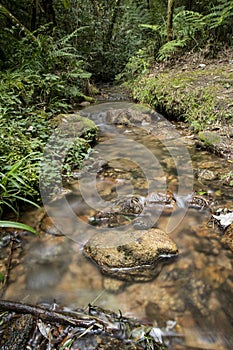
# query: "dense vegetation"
{"points": [[51, 50]]}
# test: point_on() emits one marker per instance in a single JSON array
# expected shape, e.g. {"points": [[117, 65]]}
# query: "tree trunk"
{"points": [[49, 11], [190, 4], [33, 15], [170, 10], [112, 23]]}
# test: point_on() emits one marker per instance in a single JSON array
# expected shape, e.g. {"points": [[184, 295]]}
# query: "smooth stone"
{"points": [[134, 256]]}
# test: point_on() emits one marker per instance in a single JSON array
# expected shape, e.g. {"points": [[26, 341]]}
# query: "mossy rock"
{"points": [[210, 139], [81, 124], [71, 140], [74, 127]]}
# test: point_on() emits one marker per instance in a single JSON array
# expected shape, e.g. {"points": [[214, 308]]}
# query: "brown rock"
{"points": [[131, 255], [128, 116]]}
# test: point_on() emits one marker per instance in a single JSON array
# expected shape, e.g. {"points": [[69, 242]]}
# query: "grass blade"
{"points": [[18, 225]]}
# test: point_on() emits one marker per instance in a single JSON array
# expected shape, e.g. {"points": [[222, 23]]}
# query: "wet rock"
{"points": [[118, 117], [75, 124], [199, 202], [119, 211], [45, 275], [84, 104], [45, 263], [228, 237], [207, 174], [153, 314], [128, 116], [113, 285], [216, 142], [130, 207], [215, 275], [225, 296], [132, 255], [209, 138], [48, 226], [62, 225], [160, 198]]}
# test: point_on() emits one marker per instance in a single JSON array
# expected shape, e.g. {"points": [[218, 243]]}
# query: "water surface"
{"points": [[191, 299]]}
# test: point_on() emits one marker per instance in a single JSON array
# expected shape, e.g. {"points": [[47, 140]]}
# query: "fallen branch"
{"points": [[65, 318]]}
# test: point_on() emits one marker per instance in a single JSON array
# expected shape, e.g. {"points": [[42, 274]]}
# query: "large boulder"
{"points": [[135, 255]]}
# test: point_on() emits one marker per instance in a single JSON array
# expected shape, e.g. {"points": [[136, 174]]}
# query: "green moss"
{"points": [[210, 139]]}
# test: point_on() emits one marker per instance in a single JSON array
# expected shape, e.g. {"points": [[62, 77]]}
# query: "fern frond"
{"points": [[187, 23], [155, 28], [67, 38], [220, 14], [168, 49]]}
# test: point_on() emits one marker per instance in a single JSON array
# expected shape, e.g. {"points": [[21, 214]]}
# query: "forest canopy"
{"points": [[105, 35]]}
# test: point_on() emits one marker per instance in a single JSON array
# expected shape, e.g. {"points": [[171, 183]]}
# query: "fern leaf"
{"points": [[168, 49]]}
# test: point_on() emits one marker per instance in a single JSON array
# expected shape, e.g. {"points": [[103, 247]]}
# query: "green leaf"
{"points": [[17, 225], [27, 201], [201, 193], [66, 4]]}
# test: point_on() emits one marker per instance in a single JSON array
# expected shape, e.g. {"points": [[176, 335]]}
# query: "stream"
{"points": [[138, 153]]}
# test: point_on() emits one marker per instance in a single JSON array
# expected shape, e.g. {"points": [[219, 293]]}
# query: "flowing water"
{"points": [[191, 299]]}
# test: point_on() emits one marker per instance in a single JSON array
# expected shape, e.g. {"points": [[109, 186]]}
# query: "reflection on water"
{"points": [[191, 299]]}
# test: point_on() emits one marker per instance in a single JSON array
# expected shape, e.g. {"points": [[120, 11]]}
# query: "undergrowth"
{"points": [[48, 78]]}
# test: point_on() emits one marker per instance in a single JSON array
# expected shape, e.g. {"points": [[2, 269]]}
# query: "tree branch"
{"points": [[64, 318]]}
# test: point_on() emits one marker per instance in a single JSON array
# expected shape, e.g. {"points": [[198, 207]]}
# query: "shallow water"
{"points": [[191, 299]]}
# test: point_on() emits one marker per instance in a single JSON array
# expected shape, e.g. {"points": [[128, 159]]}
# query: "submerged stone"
{"points": [[128, 116], [133, 256]]}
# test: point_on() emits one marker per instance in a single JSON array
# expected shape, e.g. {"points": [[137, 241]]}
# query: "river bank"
{"points": [[197, 92]]}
